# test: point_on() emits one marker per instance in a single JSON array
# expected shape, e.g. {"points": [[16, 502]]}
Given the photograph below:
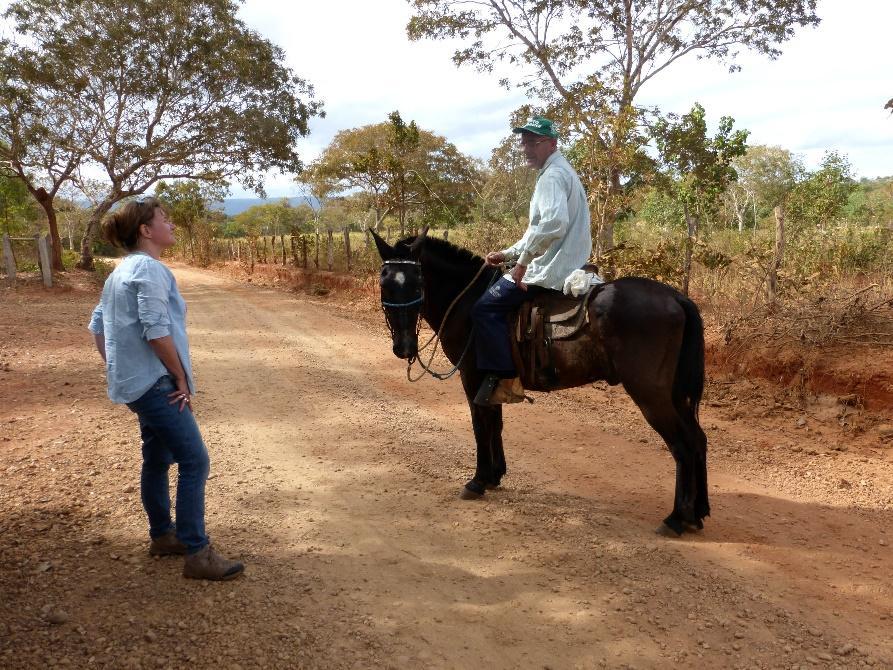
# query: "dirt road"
{"points": [[337, 482]]}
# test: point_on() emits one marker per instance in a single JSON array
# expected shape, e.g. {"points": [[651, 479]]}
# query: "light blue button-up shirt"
{"points": [[140, 302], [558, 239]]}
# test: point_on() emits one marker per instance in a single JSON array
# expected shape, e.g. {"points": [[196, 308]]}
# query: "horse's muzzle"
{"points": [[406, 348]]}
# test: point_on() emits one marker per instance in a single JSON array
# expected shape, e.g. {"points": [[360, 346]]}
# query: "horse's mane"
{"points": [[447, 253]]}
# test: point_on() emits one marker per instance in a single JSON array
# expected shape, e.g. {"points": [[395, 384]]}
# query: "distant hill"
{"points": [[233, 206]]}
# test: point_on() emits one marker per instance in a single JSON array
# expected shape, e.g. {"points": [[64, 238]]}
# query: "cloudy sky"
{"points": [[827, 91]]}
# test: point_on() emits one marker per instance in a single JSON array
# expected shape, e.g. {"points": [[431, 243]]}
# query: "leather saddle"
{"points": [[550, 316]]}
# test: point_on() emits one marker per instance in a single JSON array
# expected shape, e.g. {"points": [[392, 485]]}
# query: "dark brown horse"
{"points": [[640, 333]]}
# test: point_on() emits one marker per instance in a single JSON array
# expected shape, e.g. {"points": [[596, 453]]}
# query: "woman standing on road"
{"points": [[140, 330]]}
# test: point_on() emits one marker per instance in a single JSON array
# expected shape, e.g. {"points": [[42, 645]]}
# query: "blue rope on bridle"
{"points": [[417, 301]]}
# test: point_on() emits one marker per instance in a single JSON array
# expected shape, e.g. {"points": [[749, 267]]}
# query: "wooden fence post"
{"points": [[778, 260], [10, 262], [284, 255], [330, 249], [346, 232], [446, 234], [304, 250], [43, 251]]}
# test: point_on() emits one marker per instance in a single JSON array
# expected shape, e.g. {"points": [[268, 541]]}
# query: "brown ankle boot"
{"points": [[166, 545], [208, 564]]}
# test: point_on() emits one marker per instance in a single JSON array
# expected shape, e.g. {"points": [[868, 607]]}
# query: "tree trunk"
{"points": [[46, 202], [691, 225], [779, 254], [86, 262], [316, 256], [347, 246]]}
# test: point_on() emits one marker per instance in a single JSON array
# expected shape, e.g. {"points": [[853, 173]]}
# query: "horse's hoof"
{"points": [[468, 494], [491, 487], [693, 527], [665, 531], [473, 490]]}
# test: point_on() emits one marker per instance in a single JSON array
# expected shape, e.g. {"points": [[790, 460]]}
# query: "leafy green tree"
{"points": [[40, 142], [16, 205], [401, 167], [766, 177], [588, 60], [819, 199], [188, 204], [871, 203], [699, 168], [163, 89], [509, 182]]}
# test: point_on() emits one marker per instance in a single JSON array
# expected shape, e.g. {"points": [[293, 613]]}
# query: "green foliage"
{"points": [[661, 210], [871, 203], [508, 183], [819, 200], [193, 91], [188, 205], [589, 59], [766, 177], [699, 167], [402, 169], [18, 211], [271, 218]]}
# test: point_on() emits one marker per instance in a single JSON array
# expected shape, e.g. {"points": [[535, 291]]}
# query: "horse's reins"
{"points": [[435, 337]]}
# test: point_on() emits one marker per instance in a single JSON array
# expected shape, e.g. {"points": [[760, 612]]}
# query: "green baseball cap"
{"points": [[538, 125]]}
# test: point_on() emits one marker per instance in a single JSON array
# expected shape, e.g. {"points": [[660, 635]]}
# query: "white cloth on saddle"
{"points": [[579, 281]]}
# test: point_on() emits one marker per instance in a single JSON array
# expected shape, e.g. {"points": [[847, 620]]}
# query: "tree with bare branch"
{"points": [[588, 61]]}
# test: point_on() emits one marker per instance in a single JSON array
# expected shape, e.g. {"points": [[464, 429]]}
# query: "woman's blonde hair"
{"points": [[122, 227]]}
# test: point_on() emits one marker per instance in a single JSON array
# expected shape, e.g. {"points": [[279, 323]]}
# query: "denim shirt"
{"points": [[140, 302], [558, 239]]}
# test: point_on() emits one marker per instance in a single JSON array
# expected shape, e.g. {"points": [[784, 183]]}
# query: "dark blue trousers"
{"points": [[492, 338]]}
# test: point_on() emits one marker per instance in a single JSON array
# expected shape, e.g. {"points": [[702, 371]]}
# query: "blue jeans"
{"points": [[171, 436], [491, 328]]}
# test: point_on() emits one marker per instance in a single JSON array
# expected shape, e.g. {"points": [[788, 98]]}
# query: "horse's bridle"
{"points": [[401, 310]]}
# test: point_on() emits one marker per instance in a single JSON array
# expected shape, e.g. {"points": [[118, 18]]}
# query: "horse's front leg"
{"points": [[487, 425]]}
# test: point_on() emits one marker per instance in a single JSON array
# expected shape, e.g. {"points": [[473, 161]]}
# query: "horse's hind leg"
{"points": [[659, 411], [699, 440]]}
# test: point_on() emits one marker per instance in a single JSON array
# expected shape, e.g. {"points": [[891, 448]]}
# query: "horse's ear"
{"points": [[385, 250], [415, 249]]}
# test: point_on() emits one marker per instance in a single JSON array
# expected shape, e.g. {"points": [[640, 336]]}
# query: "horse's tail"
{"points": [[688, 386]]}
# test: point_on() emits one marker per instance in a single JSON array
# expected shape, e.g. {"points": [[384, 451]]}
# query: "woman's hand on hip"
{"points": [[181, 395]]}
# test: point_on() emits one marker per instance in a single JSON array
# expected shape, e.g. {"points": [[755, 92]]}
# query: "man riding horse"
{"points": [[557, 242]]}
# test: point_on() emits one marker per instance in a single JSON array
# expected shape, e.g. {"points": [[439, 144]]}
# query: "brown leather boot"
{"points": [[496, 391], [507, 391], [208, 564], [167, 545]]}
